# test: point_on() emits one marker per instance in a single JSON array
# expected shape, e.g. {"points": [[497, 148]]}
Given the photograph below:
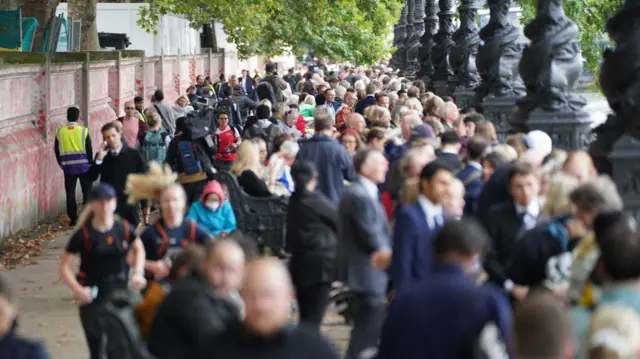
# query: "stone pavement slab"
{"points": [[48, 311]]}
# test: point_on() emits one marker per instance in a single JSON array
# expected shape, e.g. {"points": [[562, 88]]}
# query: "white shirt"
{"points": [[370, 187], [432, 211], [531, 213]]}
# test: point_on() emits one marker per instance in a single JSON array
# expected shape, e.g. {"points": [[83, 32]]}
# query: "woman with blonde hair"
{"points": [[517, 142], [111, 259], [486, 130], [379, 116], [614, 333], [413, 104], [247, 169], [182, 107], [307, 106]]}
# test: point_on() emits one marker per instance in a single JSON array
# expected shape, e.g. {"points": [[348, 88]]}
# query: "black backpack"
{"points": [[118, 322]]}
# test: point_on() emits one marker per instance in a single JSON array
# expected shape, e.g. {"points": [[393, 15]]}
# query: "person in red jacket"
{"points": [[228, 141]]}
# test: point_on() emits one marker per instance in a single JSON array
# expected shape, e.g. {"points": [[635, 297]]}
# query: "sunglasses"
{"points": [[129, 108]]}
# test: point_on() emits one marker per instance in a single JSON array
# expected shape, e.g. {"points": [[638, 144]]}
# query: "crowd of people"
{"points": [[442, 241]]}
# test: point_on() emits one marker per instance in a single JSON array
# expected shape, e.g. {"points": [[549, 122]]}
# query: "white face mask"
{"points": [[213, 205]]}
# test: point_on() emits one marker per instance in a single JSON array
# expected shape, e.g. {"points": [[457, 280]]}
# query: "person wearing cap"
{"points": [[73, 152], [103, 244], [114, 162]]}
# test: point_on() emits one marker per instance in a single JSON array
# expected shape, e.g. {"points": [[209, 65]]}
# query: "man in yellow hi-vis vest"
{"points": [[74, 153]]}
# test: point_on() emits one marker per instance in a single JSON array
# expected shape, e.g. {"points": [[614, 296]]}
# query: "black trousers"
{"points": [[70, 185], [129, 212], [367, 324], [96, 338], [312, 304], [221, 165]]}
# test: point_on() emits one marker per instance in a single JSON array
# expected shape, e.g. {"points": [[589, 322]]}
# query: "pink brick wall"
{"points": [[33, 104]]}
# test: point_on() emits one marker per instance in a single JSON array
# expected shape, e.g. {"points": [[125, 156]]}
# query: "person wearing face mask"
{"points": [[11, 345], [213, 212], [103, 244], [462, 319]]}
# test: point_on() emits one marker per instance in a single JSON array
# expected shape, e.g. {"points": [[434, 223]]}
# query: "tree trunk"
{"points": [[8, 4], [41, 10], [85, 11]]}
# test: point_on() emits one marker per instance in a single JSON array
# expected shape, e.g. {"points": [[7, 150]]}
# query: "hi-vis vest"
{"points": [[73, 152]]}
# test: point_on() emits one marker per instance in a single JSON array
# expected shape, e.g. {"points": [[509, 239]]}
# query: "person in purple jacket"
{"points": [[447, 315]]}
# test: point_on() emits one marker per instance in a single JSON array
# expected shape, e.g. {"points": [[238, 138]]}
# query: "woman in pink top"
{"points": [[132, 126]]}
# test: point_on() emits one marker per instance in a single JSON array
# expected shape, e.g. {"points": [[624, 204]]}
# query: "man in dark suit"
{"points": [[370, 100], [364, 250], [449, 149], [509, 220], [471, 175], [417, 225]]}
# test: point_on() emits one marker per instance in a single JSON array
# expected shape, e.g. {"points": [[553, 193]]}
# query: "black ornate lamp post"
{"points": [[619, 136], [443, 73], [463, 53], [417, 30], [398, 59], [497, 63], [550, 68], [426, 42], [409, 34]]}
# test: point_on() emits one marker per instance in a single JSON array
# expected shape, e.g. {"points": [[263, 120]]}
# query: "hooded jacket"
{"points": [[221, 220]]}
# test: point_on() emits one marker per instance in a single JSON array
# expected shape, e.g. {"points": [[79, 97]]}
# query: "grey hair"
{"points": [[597, 195], [412, 117]]}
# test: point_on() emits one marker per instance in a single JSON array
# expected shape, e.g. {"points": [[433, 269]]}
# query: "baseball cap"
{"points": [[539, 141], [422, 131], [102, 191]]}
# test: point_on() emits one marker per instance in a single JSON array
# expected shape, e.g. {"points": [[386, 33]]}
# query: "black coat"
{"points": [[495, 191], [504, 228], [189, 316], [450, 159], [115, 170], [312, 231]]}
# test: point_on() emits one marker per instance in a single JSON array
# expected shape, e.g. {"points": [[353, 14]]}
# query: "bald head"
{"points": [[356, 122], [579, 165], [224, 266], [268, 295]]}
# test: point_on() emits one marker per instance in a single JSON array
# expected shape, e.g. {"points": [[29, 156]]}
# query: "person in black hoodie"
{"points": [[265, 332], [114, 163], [191, 314], [311, 240]]}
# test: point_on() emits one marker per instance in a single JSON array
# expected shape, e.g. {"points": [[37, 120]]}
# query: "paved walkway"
{"points": [[48, 310]]}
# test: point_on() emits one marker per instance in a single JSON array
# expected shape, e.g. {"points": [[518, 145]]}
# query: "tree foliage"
{"points": [[591, 17], [340, 30]]}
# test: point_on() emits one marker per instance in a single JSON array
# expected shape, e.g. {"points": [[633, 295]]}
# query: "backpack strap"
{"points": [[86, 240], [192, 231], [165, 240]]}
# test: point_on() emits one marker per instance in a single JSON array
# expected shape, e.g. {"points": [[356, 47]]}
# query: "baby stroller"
{"points": [[344, 300]]}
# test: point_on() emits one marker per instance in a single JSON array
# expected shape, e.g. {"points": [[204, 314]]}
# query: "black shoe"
{"points": [[73, 223]]}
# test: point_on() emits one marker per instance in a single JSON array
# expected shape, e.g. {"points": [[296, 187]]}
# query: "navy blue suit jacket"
{"points": [[444, 318], [412, 250], [366, 102], [14, 347], [471, 177]]}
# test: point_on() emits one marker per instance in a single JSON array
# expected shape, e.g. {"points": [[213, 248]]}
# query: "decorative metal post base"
{"points": [[626, 172], [498, 110], [463, 96], [444, 88], [569, 130]]}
